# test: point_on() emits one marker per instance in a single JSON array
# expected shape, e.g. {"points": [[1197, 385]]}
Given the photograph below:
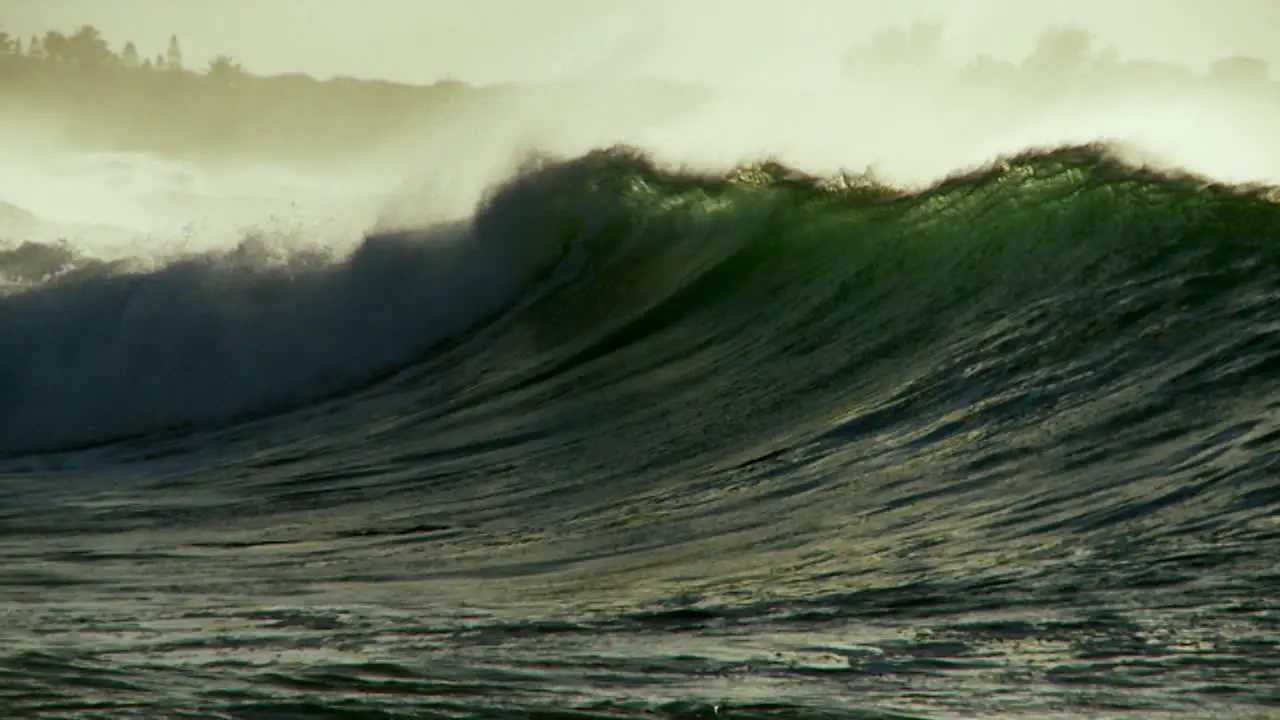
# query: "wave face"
{"points": [[635, 441], [96, 350]]}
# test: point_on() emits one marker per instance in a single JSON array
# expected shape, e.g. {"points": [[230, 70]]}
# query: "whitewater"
{"points": [[635, 437]]}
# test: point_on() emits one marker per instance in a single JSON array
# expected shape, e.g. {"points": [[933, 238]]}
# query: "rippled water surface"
{"points": [[632, 443]]}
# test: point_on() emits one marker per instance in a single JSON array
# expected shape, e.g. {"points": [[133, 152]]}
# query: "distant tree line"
{"points": [[77, 86], [87, 49], [1063, 59], [97, 97]]}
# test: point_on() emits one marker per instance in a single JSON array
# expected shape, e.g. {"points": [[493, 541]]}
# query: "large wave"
{"points": [[1037, 271]]}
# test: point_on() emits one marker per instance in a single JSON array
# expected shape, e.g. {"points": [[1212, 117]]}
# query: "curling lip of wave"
{"points": [[93, 351]]}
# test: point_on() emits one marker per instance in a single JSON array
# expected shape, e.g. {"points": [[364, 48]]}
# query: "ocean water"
{"points": [[631, 442]]}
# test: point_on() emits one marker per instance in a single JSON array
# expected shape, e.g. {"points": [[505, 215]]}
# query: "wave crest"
{"points": [[91, 351]]}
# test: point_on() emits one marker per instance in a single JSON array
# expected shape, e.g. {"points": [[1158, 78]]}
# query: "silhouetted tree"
{"points": [[1061, 53], [87, 47], [35, 50], [224, 69], [917, 45], [55, 46], [173, 56], [129, 56], [911, 49]]}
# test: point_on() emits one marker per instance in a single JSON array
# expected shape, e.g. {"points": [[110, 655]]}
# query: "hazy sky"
{"points": [[751, 41]]}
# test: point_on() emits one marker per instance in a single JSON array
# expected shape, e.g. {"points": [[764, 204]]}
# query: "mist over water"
{"points": [[918, 387]]}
